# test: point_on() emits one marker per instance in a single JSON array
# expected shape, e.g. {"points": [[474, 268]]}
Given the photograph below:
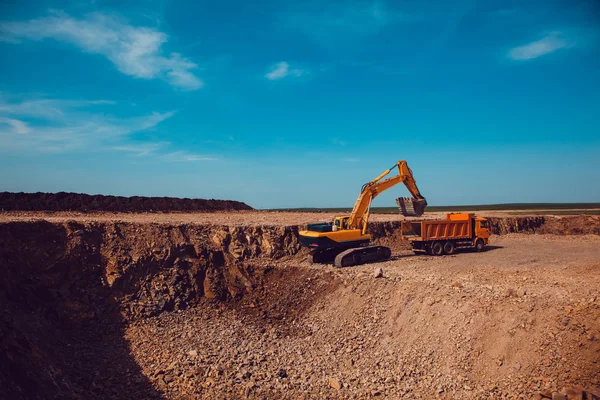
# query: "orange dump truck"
{"points": [[437, 237]]}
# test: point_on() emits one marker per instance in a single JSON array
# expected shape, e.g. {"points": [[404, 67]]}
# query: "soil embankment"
{"points": [[63, 201], [93, 309]]}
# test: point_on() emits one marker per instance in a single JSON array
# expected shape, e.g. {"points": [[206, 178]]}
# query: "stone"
{"points": [[193, 353], [334, 383], [575, 393], [558, 396], [517, 366], [378, 273]]}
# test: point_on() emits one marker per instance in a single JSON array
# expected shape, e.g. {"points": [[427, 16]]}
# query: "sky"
{"points": [[299, 103]]}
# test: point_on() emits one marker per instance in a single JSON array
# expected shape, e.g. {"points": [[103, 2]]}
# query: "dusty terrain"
{"points": [[519, 319], [224, 306]]}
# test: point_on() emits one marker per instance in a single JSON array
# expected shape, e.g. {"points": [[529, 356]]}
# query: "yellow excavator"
{"points": [[345, 241]]}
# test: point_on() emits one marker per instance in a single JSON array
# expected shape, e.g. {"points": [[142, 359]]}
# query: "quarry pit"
{"points": [[224, 305]]}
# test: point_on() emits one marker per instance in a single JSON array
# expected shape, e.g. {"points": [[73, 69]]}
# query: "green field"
{"points": [[547, 208]]}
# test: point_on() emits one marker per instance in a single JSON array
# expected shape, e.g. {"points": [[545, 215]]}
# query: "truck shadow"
{"points": [[457, 253], [61, 331], [485, 249]]}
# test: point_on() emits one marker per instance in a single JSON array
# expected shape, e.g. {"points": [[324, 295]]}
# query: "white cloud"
{"points": [[141, 149], [282, 70], [548, 44], [19, 127], [46, 108], [135, 51], [184, 156], [67, 125]]}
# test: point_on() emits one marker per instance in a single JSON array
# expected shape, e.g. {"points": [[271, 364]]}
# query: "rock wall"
{"points": [[67, 289], [567, 225], [504, 225]]}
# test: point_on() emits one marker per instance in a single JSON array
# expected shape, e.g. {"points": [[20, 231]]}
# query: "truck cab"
{"points": [[482, 230]]}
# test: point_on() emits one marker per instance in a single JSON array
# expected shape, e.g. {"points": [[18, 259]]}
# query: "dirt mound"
{"points": [[83, 202]]}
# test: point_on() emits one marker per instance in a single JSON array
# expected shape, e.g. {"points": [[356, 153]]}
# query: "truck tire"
{"points": [[449, 248], [437, 249], [479, 245]]}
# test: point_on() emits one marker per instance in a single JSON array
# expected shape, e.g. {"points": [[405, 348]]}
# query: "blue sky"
{"points": [[298, 103]]}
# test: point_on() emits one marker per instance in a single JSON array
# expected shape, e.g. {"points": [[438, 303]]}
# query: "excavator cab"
{"points": [[340, 223]]}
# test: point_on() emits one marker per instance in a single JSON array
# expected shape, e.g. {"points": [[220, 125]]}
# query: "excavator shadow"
{"points": [[401, 256]]}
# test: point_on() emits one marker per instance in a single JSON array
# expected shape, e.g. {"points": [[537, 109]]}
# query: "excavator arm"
{"points": [[408, 206]]}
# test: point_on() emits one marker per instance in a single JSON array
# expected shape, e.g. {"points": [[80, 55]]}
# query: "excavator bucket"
{"points": [[411, 207]]}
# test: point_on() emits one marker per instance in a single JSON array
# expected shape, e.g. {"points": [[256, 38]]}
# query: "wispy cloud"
{"points": [[338, 142], [135, 51], [46, 108], [141, 149], [282, 70], [51, 125], [548, 44], [184, 156], [19, 127], [154, 149]]}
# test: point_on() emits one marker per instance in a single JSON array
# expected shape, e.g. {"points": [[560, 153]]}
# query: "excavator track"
{"points": [[323, 256], [361, 255]]}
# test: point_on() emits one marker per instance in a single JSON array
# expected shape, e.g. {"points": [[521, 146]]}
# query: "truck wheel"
{"points": [[479, 245], [449, 248], [437, 249], [428, 250]]}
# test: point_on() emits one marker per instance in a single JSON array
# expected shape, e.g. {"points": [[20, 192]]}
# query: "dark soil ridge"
{"points": [[64, 201]]}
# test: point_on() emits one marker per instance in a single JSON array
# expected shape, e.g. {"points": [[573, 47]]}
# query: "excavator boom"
{"points": [[414, 206]]}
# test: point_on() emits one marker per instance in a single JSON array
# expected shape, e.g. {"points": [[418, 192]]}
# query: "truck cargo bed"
{"points": [[438, 229]]}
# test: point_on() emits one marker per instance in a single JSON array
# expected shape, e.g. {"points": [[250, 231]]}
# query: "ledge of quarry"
{"points": [[68, 290]]}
